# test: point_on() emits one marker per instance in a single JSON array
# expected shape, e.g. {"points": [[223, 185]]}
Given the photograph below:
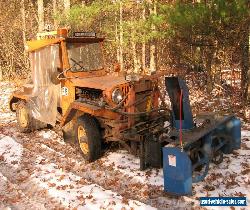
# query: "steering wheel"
{"points": [[77, 66]]}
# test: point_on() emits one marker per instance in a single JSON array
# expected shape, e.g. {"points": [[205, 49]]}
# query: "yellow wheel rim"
{"points": [[23, 117], [82, 139]]}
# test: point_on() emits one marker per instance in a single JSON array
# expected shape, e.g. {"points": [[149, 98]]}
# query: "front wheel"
{"points": [[88, 137]]}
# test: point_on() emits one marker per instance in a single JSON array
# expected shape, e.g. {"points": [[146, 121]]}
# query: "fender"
{"points": [[87, 108], [15, 97]]}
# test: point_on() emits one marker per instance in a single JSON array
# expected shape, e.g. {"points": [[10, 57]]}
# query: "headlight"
{"points": [[117, 96]]}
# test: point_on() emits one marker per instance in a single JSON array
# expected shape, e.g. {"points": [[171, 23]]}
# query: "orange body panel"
{"points": [[83, 75], [102, 82], [90, 109], [15, 97]]}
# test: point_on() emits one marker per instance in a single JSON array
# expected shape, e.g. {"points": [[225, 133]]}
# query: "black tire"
{"points": [[228, 147], [92, 138], [26, 123], [217, 157], [227, 140]]}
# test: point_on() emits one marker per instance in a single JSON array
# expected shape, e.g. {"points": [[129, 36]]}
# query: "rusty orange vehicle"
{"points": [[71, 86]]}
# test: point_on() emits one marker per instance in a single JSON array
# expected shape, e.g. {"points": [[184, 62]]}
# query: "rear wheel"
{"points": [[27, 123], [88, 137]]}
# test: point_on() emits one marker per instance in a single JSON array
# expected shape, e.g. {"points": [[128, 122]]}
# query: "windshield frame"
{"points": [[85, 41]]}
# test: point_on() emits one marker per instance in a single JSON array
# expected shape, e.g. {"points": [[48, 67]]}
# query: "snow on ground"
{"points": [[6, 90], [126, 163], [10, 151], [40, 171], [74, 191], [68, 189], [230, 178]]}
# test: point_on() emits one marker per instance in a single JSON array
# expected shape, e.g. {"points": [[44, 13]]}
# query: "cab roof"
{"points": [[38, 44], [84, 40], [49, 38]]}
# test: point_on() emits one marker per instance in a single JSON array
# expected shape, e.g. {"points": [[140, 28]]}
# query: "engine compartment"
{"points": [[89, 95]]}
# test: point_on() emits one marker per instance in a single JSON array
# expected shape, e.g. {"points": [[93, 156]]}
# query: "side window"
{"points": [[44, 63]]}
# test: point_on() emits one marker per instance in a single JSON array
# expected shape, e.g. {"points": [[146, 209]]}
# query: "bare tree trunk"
{"points": [[23, 21], [245, 66], [54, 12], [248, 86], [152, 46], [26, 62], [66, 4], [121, 35], [117, 40], [143, 55], [1, 73], [209, 61], [134, 54], [40, 10]]}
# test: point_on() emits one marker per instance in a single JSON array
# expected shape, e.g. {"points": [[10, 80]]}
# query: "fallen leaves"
{"points": [[62, 187], [89, 196], [49, 145], [145, 193], [81, 182], [230, 181], [14, 162], [125, 201], [61, 177], [246, 171], [244, 146], [239, 194], [51, 184], [209, 188], [245, 165], [80, 198], [1, 158]]}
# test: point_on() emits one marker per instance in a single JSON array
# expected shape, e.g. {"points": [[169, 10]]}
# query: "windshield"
{"points": [[85, 56]]}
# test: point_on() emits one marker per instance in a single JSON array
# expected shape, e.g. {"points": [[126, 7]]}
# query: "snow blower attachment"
{"points": [[191, 148]]}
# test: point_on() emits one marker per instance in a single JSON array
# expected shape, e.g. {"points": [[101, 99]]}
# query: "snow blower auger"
{"points": [[189, 148]]}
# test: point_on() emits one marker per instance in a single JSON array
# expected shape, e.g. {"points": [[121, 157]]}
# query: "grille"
{"points": [[125, 90]]}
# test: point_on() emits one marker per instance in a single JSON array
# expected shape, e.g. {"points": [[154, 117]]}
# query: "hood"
{"points": [[101, 82]]}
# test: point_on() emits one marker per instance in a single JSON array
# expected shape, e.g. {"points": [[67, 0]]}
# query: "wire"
{"points": [[181, 143], [141, 113]]}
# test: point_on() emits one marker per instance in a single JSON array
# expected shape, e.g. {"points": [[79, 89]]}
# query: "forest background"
{"points": [[206, 38]]}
